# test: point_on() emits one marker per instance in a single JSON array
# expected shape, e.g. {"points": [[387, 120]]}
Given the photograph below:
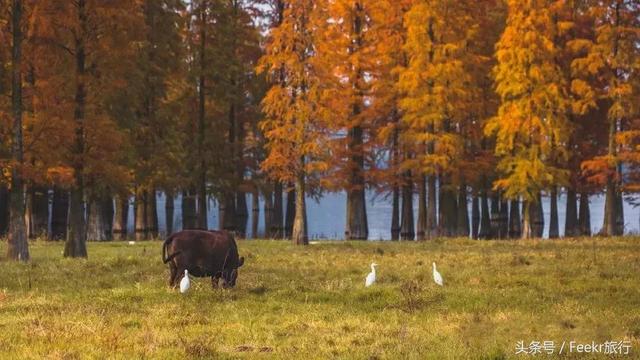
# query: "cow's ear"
{"points": [[241, 261]]}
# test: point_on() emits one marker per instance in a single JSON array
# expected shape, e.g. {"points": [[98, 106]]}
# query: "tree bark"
{"points": [[447, 210], [584, 219], [59, 214], [299, 232], [475, 216], [504, 217], [39, 212], [255, 212], [152, 214], [515, 230], [95, 221], [228, 212], [18, 247], [121, 219], [189, 219], [242, 213], [463, 212], [422, 207], [202, 175], [141, 217], [485, 221], [494, 216], [432, 213], [4, 210], [357, 224], [395, 213], [526, 219], [619, 215], [268, 213], [290, 213], [554, 228], [537, 217], [169, 211], [609, 225], [277, 230], [76, 235], [407, 231], [571, 215]]}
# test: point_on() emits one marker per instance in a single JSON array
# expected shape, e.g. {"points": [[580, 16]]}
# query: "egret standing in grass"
{"points": [[371, 278], [436, 275], [185, 283]]}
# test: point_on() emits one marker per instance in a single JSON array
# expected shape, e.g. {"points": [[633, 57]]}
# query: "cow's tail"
{"points": [[165, 245]]}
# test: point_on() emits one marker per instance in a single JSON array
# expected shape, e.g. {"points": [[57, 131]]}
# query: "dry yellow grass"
{"points": [[310, 302]]}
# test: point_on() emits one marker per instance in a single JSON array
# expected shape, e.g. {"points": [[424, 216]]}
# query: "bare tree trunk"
{"points": [[432, 211], [141, 217], [189, 217], [447, 210], [242, 213], [475, 216], [515, 230], [485, 221], [504, 217], [537, 219], [228, 212], [357, 224], [39, 211], [584, 219], [277, 229], [202, 86], [609, 226], [268, 213], [152, 214], [255, 212], [619, 215], [290, 213], [169, 211], [28, 223], [494, 216], [95, 227], [463, 213], [76, 234], [121, 219], [422, 206], [18, 247], [571, 215], [300, 233], [59, 214], [4, 210], [395, 213], [554, 231], [407, 231], [526, 219]]}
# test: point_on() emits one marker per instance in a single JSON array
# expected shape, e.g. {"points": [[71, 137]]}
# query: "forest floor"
{"points": [[310, 302]]}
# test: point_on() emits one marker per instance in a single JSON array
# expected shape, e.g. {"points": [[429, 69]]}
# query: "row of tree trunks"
{"points": [[169, 210], [255, 213], [189, 217], [290, 213]]}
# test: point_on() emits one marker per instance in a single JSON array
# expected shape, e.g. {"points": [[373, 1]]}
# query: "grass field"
{"points": [[310, 302]]}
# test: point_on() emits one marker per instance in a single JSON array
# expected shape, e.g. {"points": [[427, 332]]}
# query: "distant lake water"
{"points": [[326, 217]]}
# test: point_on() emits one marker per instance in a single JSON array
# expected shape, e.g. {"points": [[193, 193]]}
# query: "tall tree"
{"points": [[531, 123], [18, 248], [293, 124]]}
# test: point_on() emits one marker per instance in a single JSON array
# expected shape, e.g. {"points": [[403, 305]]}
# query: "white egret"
{"points": [[436, 275], [371, 278], [185, 283]]}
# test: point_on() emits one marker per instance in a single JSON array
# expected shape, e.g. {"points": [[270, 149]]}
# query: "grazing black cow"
{"points": [[203, 253]]}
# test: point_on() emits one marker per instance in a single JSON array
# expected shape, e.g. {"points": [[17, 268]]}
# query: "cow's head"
{"points": [[230, 276]]}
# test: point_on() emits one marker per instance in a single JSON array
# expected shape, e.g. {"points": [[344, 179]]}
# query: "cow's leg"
{"points": [[173, 275]]}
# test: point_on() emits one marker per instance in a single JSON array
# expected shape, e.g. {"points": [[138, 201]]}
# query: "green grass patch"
{"points": [[310, 302]]}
